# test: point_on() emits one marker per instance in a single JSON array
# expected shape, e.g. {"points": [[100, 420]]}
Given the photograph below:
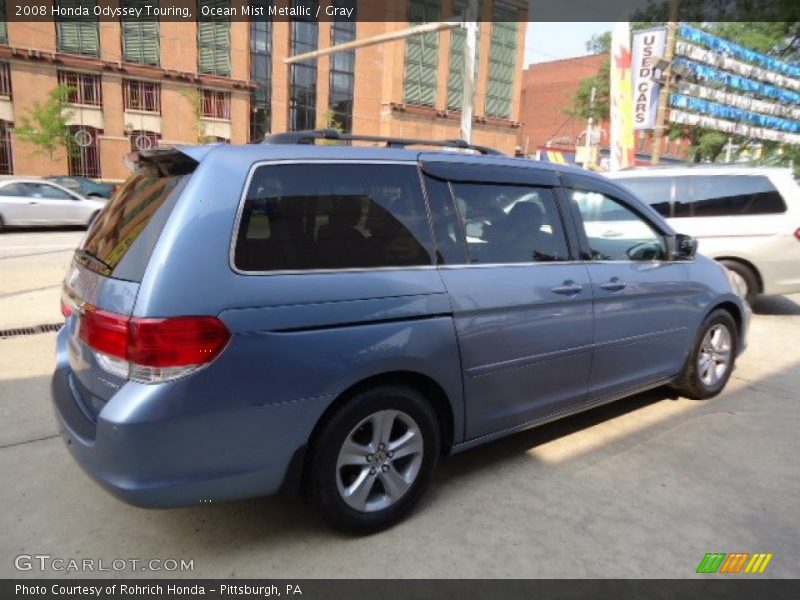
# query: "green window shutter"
{"points": [[502, 62], [3, 25], [422, 55], [455, 78], [214, 43], [79, 36], [140, 38]]}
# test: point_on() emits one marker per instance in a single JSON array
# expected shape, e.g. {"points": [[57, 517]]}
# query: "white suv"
{"points": [[748, 218]]}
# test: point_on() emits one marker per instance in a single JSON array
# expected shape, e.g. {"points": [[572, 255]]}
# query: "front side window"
{"points": [[614, 231], [509, 223], [332, 216]]}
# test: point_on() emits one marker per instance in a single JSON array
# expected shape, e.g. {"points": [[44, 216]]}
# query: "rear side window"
{"points": [[333, 216], [121, 240], [732, 195], [655, 191], [510, 223]]}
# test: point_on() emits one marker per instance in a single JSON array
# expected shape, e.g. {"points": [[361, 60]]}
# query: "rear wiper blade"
{"points": [[89, 256]]}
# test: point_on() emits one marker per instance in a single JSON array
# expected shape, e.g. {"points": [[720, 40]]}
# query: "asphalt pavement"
{"points": [[640, 488]]}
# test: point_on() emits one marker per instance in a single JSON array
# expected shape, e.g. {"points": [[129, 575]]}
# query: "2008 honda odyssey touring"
{"points": [[246, 319]]}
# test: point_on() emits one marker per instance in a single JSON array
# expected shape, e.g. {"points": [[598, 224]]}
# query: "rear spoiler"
{"points": [[162, 162]]}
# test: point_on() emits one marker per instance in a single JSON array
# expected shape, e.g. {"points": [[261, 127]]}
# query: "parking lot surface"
{"points": [[640, 488]]}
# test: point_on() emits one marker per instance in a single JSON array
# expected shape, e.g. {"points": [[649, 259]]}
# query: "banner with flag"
{"points": [[622, 143]]}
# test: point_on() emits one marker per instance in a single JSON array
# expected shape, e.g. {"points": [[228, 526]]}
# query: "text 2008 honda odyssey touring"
{"points": [[241, 319]]}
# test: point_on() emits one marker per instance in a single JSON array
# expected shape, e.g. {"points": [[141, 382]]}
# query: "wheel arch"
{"points": [[430, 388], [745, 263]]}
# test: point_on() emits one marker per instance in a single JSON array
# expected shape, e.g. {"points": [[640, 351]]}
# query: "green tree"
{"points": [[46, 124], [780, 39], [195, 99]]}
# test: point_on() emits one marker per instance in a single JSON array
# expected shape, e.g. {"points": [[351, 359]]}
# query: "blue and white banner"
{"points": [[648, 46], [731, 127], [738, 82], [732, 112], [731, 49], [722, 96], [709, 57]]}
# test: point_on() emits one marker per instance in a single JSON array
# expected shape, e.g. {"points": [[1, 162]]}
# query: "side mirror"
{"points": [[685, 246]]}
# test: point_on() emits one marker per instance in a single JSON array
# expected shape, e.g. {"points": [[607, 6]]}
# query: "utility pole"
{"points": [[588, 142], [470, 50], [663, 98], [469, 21]]}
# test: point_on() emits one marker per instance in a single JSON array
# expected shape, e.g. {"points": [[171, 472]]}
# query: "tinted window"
{"points": [[509, 223], [127, 229], [15, 189], [42, 190], [333, 216], [655, 191], [717, 196], [615, 232]]}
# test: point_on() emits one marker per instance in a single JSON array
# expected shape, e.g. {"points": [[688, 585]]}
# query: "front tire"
{"points": [[711, 360], [373, 459]]}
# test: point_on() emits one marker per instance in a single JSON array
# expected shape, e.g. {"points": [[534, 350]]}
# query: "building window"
{"points": [[144, 140], [214, 41], [84, 156], [142, 95], [140, 36], [342, 74], [5, 80], [6, 152], [78, 35], [502, 61], [455, 78], [422, 55], [217, 105], [303, 76], [86, 88], [3, 25], [261, 73]]}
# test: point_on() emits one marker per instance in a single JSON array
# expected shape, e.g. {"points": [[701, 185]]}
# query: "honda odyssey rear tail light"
{"points": [[152, 350]]}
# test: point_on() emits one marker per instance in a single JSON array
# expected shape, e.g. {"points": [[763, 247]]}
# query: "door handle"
{"points": [[569, 288], [613, 285]]}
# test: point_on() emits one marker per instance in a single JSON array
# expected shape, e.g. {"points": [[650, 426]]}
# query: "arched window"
{"points": [[144, 140]]}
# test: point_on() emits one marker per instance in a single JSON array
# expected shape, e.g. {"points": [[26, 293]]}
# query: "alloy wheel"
{"points": [[714, 358], [379, 460]]}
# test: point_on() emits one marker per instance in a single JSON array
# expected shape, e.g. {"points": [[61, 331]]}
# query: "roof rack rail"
{"points": [[312, 135]]}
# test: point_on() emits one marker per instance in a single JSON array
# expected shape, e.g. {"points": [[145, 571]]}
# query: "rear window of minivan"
{"points": [[120, 241], [708, 195], [298, 217]]}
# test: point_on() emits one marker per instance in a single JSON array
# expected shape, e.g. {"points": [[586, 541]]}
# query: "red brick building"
{"points": [[547, 91]]}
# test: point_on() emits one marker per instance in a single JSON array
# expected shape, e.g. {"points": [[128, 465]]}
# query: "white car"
{"points": [[748, 218], [39, 203]]}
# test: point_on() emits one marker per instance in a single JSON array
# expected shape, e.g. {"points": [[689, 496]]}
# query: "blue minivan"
{"points": [[243, 320]]}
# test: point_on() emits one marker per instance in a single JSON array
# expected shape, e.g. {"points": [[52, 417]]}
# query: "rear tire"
{"points": [[373, 459], [711, 360], [747, 276]]}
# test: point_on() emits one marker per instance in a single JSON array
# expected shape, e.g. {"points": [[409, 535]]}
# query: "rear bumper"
{"points": [[172, 462]]}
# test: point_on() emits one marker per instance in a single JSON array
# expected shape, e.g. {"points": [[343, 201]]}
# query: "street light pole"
{"points": [[663, 98], [470, 52]]}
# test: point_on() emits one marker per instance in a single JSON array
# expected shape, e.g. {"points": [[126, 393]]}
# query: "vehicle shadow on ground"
{"points": [[776, 306], [11, 229]]}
